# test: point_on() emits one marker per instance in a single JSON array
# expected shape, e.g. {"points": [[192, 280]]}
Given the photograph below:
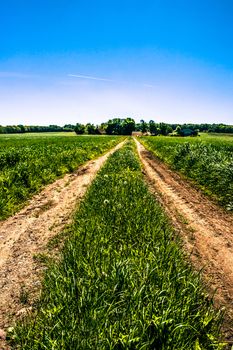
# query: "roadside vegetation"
{"points": [[28, 163], [122, 281], [208, 160]]}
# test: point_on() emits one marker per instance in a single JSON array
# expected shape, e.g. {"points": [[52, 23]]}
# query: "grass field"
{"points": [[122, 281], [29, 135], [29, 161], [208, 160]]}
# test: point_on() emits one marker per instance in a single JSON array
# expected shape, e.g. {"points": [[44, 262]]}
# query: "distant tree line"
{"points": [[181, 129], [123, 126], [20, 129], [221, 128]]}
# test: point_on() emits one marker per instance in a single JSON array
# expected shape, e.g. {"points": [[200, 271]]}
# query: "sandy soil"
{"points": [[206, 230], [25, 235]]}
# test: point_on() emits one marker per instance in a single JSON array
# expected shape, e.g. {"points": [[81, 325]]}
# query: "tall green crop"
{"points": [[208, 161], [26, 164]]}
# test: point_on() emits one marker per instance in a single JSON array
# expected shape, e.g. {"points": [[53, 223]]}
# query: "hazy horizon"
{"points": [[63, 63]]}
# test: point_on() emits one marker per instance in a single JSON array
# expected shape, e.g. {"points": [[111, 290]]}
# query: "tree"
{"points": [[119, 126], [22, 128], [91, 129], [195, 132], [153, 128], [163, 129], [138, 127], [113, 127], [128, 126], [144, 126], [79, 129], [68, 127]]}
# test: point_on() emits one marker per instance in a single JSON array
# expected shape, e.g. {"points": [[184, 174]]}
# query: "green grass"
{"points": [[122, 281], [29, 162], [208, 160], [29, 135]]}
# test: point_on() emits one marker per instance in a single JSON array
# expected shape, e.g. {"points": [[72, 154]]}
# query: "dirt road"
{"points": [[206, 229], [25, 235]]}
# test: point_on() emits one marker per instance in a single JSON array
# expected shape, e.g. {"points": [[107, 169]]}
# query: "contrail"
{"points": [[81, 76], [88, 77]]}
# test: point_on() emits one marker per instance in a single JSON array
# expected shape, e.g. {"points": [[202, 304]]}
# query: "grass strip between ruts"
{"points": [[122, 281]]}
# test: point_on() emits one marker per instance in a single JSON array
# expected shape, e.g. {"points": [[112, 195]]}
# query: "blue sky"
{"points": [[87, 61]]}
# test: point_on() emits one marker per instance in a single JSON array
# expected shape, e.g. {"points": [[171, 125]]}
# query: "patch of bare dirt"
{"points": [[206, 230], [26, 235]]}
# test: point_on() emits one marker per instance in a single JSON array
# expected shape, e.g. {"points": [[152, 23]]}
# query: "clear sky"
{"points": [[88, 61]]}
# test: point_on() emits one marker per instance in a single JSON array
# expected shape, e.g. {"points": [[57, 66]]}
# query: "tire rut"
{"points": [[205, 228], [27, 233]]}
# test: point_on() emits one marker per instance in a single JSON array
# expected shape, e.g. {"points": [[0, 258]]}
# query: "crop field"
{"points": [[27, 162], [208, 160], [122, 281]]}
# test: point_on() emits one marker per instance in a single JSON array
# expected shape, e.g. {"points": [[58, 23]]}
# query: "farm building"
{"points": [[137, 133]]}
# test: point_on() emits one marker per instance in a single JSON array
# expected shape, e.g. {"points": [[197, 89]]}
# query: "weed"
{"points": [[41, 258], [24, 296]]}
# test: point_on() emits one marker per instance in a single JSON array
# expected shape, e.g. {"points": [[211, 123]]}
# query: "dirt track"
{"points": [[206, 230], [27, 233]]}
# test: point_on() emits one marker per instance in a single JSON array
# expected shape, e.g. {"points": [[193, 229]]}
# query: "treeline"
{"points": [[20, 129], [181, 129], [124, 126], [116, 126], [221, 128]]}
